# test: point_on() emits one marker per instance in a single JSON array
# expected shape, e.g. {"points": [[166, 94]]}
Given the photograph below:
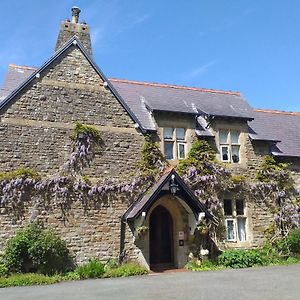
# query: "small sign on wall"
{"points": [[181, 235], [181, 242]]}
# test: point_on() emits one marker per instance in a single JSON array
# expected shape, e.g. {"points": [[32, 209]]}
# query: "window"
{"points": [[229, 146], [235, 220], [174, 143]]}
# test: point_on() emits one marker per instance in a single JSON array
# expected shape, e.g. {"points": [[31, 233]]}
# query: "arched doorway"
{"points": [[161, 237]]}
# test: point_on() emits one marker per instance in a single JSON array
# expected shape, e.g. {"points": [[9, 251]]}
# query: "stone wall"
{"points": [[89, 232], [34, 133], [35, 128]]}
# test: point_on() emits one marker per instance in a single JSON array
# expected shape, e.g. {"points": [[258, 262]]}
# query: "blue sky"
{"points": [[251, 46]]}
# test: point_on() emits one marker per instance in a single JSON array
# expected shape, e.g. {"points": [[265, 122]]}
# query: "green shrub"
{"points": [[71, 276], [28, 279], [33, 249], [112, 263], [93, 269], [204, 265], [128, 269], [293, 241], [241, 258], [3, 270]]}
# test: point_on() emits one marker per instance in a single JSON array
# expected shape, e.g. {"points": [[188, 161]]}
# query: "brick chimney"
{"points": [[70, 28]]}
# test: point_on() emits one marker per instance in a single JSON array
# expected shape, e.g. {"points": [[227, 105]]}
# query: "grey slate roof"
{"points": [[273, 126], [145, 201], [14, 77], [163, 97], [278, 126]]}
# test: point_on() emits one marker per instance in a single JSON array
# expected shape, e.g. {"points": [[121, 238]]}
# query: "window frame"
{"points": [[230, 145], [234, 216], [176, 142], [234, 229]]}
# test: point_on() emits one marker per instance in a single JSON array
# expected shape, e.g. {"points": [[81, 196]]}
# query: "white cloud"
{"points": [[199, 71]]}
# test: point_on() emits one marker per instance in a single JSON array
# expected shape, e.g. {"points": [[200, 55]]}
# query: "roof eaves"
{"points": [[253, 137]]}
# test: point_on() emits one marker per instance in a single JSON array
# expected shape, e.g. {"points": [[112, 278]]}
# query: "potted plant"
{"points": [[141, 230], [203, 228]]}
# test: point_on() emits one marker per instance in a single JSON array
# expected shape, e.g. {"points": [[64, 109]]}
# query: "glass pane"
{"points": [[241, 223], [235, 137], [225, 154], [181, 151], [227, 207], [240, 207], [169, 150], [180, 134], [168, 133], [230, 230], [235, 153], [223, 137]]}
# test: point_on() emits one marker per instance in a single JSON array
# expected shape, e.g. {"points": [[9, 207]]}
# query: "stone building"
{"points": [[38, 109]]}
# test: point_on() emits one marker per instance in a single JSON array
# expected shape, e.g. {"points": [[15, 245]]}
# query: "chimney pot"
{"points": [[75, 14]]}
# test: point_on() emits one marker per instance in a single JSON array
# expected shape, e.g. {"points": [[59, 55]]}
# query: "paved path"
{"points": [[276, 283]]}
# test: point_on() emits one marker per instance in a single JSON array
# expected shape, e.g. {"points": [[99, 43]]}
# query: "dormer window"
{"points": [[174, 143], [229, 146]]}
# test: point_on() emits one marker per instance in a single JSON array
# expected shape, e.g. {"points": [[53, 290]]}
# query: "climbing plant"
{"points": [[60, 189], [276, 188], [210, 180]]}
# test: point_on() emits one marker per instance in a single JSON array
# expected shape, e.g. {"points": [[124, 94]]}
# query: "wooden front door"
{"points": [[161, 236]]}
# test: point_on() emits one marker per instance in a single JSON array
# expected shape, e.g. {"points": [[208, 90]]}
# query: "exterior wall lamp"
{"points": [[173, 186]]}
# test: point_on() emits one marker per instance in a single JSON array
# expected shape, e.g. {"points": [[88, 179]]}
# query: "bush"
{"points": [[241, 258], [293, 241], [112, 263], [93, 269], [204, 265], [33, 249], [3, 270], [28, 279], [128, 269]]}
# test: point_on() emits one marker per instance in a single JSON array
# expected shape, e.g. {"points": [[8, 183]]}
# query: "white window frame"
{"points": [[178, 152], [176, 142], [234, 229], [229, 144], [234, 217]]}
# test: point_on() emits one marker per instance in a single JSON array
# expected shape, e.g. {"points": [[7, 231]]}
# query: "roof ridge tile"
{"points": [[22, 67], [275, 111], [174, 86]]}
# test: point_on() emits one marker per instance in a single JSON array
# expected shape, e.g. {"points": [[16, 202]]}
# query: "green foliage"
{"points": [[28, 279], [93, 269], [200, 153], [112, 263], [152, 159], [128, 269], [142, 229], [23, 172], [238, 179], [71, 276], [3, 270], [35, 249], [83, 129], [203, 265], [241, 258], [269, 166], [293, 241]]}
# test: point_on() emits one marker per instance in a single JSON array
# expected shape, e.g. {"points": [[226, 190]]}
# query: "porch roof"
{"points": [[145, 201]]}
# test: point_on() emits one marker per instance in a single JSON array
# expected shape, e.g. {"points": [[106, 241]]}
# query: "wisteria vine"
{"points": [[61, 189]]}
